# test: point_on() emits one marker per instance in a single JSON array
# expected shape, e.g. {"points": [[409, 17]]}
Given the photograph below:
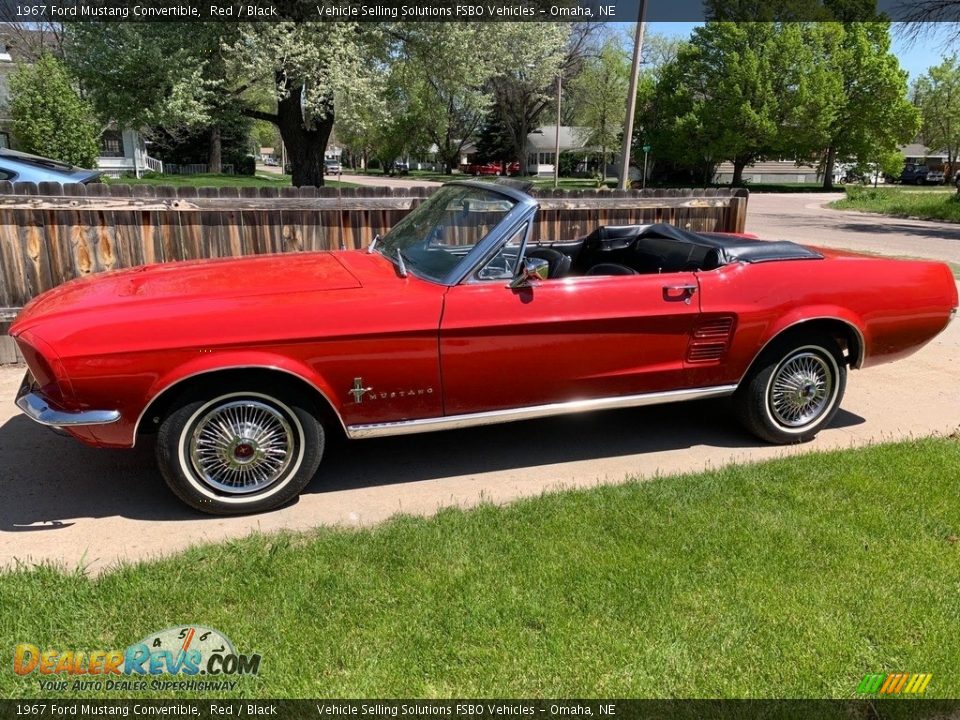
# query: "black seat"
{"points": [[611, 269], [559, 262]]}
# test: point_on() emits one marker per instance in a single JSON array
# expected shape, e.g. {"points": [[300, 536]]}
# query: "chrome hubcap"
{"points": [[801, 389], [242, 446]]}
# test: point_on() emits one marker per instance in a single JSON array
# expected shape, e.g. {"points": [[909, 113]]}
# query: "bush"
{"points": [[49, 117], [245, 165]]}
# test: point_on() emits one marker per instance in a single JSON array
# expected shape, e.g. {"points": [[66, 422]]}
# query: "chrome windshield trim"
{"points": [[455, 422], [38, 409]]}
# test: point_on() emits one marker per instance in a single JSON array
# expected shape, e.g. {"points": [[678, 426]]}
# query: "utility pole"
{"points": [[556, 153], [632, 97]]}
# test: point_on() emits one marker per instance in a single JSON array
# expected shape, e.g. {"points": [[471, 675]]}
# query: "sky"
{"points": [[915, 57]]}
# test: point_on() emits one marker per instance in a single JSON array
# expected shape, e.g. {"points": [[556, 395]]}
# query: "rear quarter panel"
{"points": [[897, 305]]}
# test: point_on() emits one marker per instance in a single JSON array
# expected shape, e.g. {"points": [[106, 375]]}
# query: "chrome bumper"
{"points": [[38, 409]]}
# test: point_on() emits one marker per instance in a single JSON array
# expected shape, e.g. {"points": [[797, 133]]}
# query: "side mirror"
{"points": [[533, 269]]}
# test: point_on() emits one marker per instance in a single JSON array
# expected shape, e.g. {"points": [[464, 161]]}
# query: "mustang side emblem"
{"points": [[358, 390]]}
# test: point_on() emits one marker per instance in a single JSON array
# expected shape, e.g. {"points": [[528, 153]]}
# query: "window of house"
{"points": [[111, 144]]}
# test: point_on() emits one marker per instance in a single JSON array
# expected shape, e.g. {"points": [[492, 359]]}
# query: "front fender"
{"points": [[240, 360]]}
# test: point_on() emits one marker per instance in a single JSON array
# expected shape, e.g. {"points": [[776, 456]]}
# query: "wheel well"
{"points": [[846, 335], [169, 398]]}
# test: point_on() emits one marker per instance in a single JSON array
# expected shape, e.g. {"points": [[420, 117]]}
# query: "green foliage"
{"points": [[819, 92], [571, 162], [870, 115], [601, 92], [923, 204], [245, 165], [49, 117], [789, 578], [937, 96]]}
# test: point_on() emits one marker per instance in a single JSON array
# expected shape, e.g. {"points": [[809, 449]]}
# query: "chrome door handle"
{"points": [[672, 293]]}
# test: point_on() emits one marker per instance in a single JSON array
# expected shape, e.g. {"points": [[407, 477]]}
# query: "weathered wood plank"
{"points": [[355, 204]]}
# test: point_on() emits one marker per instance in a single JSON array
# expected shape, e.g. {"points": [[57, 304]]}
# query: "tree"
{"points": [[185, 75], [49, 117], [937, 95], [724, 97], [525, 87], [449, 66], [601, 90], [869, 114], [155, 75]]}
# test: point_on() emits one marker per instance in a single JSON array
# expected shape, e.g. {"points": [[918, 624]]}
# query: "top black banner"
{"points": [[595, 11]]}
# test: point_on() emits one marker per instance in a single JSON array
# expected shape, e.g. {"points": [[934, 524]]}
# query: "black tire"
{"points": [[772, 403], [263, 465]]}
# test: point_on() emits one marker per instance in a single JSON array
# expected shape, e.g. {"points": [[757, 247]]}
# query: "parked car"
{"points": [[914, 174], [481, 169], [936, 176], [401, 168], [332, 167], [272, 162], [245, 368], [22, 167], [492, 168]]}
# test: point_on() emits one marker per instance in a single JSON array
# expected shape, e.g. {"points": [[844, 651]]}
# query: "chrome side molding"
{"points": [[493, 417]]}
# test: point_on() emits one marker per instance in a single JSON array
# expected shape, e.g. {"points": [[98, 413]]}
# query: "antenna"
{"points": [[401, 264]]}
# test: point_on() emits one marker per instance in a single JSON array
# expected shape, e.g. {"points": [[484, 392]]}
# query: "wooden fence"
{"points": [[51, 233]]}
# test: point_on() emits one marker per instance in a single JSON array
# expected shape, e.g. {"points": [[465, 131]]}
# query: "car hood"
{"points": [[192, 281]]}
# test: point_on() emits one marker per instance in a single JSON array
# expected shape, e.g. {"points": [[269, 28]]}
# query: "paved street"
{"points": [[803, 218], [76, 506]]}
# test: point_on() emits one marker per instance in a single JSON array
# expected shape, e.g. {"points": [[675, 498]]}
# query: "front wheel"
{"points": [[232, 453], [794, 391]]}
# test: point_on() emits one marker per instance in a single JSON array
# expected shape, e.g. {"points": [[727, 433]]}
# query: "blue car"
{"points": [[18, 166]]}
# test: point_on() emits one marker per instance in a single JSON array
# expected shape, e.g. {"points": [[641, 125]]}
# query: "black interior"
{"points": [[660, 248]]}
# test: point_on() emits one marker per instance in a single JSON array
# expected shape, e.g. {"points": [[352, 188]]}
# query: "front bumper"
{"points": [[36, 407]]}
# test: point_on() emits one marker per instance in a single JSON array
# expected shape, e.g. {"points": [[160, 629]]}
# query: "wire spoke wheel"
{"points": [[242, 446], [801, 389]]}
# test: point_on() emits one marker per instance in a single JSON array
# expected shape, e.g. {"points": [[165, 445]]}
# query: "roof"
{"points": [[920, 150], [544, 138]]}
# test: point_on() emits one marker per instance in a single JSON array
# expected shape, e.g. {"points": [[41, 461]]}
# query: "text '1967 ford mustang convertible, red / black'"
{"points": [[243, 368]]}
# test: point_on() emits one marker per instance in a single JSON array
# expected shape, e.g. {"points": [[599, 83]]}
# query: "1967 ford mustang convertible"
{"points": [[459, 316]]}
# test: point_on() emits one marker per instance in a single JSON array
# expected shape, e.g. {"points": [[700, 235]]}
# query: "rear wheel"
{"points": [[236, 452], [794, 390]]}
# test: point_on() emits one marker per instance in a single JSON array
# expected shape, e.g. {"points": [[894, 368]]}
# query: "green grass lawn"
{"points": [[790, 578], [926, 204], [261, 179]]}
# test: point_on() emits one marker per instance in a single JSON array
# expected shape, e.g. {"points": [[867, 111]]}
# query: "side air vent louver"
{"points": [[710, 340]]}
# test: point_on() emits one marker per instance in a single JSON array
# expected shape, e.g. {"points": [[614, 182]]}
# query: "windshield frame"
{"points": [[524, 208]]}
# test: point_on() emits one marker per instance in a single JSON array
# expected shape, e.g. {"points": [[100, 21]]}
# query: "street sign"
{"points": [[647, 148]]}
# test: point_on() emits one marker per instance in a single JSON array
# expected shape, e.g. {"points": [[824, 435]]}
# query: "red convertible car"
{"points": [[458, 317]]}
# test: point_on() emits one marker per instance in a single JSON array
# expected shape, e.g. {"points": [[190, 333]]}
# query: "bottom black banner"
{"points": [[483, 709]]}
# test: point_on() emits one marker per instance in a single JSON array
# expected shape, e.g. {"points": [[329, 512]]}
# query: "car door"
{"points": [[564, 339]]}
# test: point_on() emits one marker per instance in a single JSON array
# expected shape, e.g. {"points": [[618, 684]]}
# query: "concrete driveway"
{"points": [[75, 506]]}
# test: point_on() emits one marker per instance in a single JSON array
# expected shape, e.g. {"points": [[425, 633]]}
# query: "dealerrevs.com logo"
{"points": [[203, 659]]}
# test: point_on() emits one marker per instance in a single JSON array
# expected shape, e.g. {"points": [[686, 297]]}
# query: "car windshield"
{"points": [[435, 237]]}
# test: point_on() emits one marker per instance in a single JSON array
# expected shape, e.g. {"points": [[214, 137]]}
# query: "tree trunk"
{"points": [[828, 169], [214, 160], [305, 146], [738, 166]]}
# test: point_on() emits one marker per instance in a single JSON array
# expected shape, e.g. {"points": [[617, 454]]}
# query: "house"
{"points": [[917, 153], [121, 151], [772, 172], [124, 152], [541, 147]]}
